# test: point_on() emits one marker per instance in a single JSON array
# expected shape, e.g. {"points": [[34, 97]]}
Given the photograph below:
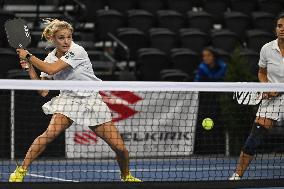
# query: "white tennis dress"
{"points": [[83, 107]]}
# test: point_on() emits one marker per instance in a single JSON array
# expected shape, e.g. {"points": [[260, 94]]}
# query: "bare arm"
{"points": [[48, 68], [262, 76], [41, 65], [33, 75], [43, 93]]}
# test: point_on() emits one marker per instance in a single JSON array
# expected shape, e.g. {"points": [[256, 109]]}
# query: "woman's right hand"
{"points": [[24, 64]]}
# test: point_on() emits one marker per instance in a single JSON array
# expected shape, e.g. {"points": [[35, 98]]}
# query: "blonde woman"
{"points": [[69, 61]]}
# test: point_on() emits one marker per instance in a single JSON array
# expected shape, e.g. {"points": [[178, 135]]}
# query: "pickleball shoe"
{"points": [[130, 178], [18, 175], [235, 176]]}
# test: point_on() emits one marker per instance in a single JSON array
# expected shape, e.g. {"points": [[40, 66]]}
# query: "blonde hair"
{"points": [[53, 26]]}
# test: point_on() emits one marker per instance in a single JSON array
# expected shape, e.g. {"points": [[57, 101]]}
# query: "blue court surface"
{"points": [[182, 169]]}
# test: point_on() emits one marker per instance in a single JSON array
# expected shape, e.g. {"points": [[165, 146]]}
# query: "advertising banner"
{"points": [[152, 124]]}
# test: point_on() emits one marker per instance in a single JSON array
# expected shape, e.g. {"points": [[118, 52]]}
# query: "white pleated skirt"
{"points": [[86, 111], [272, 108]]}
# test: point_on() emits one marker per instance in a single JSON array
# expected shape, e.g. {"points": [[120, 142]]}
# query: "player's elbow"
{"points": [[43, 93], [51, 71]]}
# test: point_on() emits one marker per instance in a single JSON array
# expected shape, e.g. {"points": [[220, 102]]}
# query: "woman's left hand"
{"points": [[268, 95], [22, 53]]}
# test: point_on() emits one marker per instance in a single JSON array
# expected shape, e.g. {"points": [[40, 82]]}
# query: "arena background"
{"points": [[146, 40]]}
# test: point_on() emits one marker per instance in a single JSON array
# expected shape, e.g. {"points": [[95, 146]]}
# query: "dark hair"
{"points": [[213, 51], [281, 15]]}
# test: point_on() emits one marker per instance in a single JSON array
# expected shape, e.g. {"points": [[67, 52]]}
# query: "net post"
{"points": [[12, 122]]}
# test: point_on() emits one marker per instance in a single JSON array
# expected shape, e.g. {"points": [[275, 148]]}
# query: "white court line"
{"points": [[53, 178]]}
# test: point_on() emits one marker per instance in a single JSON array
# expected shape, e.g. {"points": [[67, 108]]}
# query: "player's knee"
{"points": [[48, 136], [254, 139], [42, 139]]}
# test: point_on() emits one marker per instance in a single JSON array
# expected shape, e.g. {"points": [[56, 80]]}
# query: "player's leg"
{"points": [[243, 163], [56, 126], [109, 133], [259, 130]]}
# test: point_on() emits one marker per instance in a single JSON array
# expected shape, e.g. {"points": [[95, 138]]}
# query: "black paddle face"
{"points": [[17, 33]]}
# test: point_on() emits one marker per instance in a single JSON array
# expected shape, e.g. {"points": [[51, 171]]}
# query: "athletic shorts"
{"points": [[272, 108], [86, 111]]}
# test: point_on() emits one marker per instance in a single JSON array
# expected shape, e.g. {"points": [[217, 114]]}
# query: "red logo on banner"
{"points": [[118, 102], [85, 137]]}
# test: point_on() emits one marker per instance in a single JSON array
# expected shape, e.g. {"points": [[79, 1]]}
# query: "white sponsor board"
{"points": [[152, 124]]}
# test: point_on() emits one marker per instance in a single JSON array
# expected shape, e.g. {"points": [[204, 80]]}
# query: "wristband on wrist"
{"points": [[28, 56]]}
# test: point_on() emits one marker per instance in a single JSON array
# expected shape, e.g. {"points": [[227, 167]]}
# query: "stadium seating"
{"points": [[216, 8], [88, 45], [225, 39], [121, 5], [17, 74], [201, 20], [181, 6], [4, 15], [134, 39], [243, 6], [141, 19], [91, 12], [162, 24], [185, 60], [38, 52], [263, 21], [149, 64], [257, 38], [163, 39], [237, 22], [28, 2], [193, 39], [107, 21], [173, 75], [223, 54], [9, 60], [151, 5], [170, 19], [271, 6]]}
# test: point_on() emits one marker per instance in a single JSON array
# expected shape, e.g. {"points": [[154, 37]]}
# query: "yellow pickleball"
{"points": [[207, 123]]}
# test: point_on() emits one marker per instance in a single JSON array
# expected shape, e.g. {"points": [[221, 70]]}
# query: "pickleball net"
{"points": [[161, 125]]}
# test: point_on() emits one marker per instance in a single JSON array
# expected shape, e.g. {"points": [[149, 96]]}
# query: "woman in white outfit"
{"points": [[270, 111], [69, 61]]}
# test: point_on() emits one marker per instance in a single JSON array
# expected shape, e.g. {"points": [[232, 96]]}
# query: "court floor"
{"points": [[185, 169]]}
